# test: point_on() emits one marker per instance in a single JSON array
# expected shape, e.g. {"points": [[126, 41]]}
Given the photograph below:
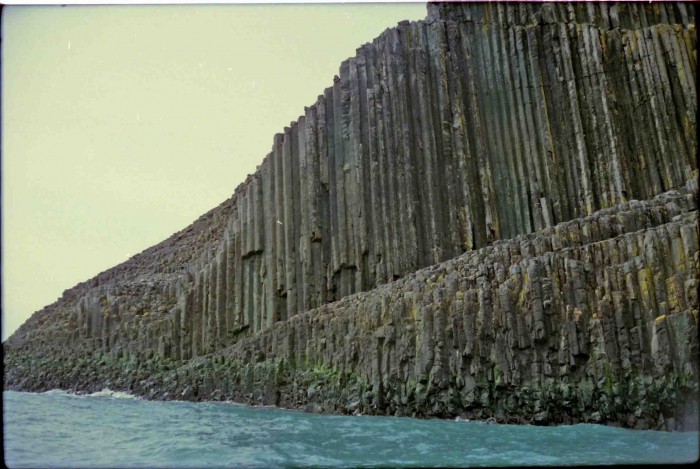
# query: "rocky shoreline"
{"points": [[321, 392], [491, 214], [351, 356]]}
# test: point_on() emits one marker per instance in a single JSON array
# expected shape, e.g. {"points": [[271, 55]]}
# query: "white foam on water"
{"points": [[106, 392], [54, 391], [60, 392], [232, 403]]}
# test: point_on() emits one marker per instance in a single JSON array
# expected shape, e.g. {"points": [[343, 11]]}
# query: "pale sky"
{"points": [[121, 125]]}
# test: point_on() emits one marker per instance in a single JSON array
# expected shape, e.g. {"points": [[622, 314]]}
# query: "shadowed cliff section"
{"points": [[483, 123]]}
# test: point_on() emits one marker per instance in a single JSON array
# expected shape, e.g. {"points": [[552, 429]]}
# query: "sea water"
{"points": [[107, 429]]}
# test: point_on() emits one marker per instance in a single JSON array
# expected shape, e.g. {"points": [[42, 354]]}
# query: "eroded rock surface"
{"points": [[491, 213]]}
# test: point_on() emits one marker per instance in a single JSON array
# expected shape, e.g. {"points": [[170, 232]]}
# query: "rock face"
{"points": [[491, 213]]}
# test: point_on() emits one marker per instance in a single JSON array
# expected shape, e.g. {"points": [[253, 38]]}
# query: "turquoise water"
{"points": [[56, 429]]}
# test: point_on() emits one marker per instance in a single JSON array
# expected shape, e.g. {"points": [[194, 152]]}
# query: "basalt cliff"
{"points": [[490, 213]]}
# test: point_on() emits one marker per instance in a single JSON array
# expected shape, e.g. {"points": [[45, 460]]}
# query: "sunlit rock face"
{"points": [[491, 212]]}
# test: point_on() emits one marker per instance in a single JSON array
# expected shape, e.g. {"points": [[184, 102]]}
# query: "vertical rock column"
{"points": [[481, 124]]}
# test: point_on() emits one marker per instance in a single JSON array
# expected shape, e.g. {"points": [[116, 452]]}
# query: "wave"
{"points": [[106, 392], [52, 392], [60, 392]]}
